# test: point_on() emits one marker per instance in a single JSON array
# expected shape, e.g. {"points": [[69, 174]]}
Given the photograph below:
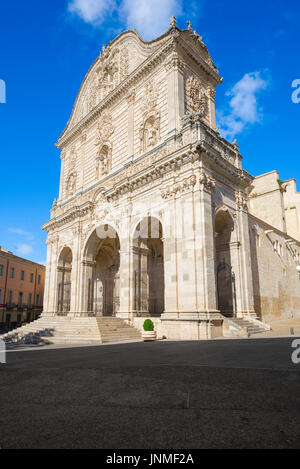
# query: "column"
{"points": [[75, 274], [175, 80], [205, 245], [130, 101], [53, 281], [86, 287], [62, 175], [170, 244], [82, 159], [187, 297], [47, 276], [246, 293], [125, 273]]}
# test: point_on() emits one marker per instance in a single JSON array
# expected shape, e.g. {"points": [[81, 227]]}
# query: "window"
{"points": [[39, 280], [22, 275], [38, 299], [31, 277], [29, 300], [0, 295], [1, 270], [20, 303], [12, 272], [10, 297]]}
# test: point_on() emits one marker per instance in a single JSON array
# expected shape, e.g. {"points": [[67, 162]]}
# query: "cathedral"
{"points": [[156, 217]]}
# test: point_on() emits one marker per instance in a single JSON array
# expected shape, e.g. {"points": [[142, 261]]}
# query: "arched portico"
{"points": [[100, 272], [64, 273], [225, 275], [148, 268]]}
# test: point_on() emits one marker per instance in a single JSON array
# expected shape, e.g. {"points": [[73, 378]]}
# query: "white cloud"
{"points": [[150, 17], [24, 249], [91, 11], [244, 106], [21, 232]]}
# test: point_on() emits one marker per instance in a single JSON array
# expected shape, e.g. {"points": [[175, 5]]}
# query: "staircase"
{"points": [[116, 330], [64, 330], [246, 326]]}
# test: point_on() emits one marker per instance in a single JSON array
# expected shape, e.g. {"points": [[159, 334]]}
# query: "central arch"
{"points": [[102, 262], [64, 272], [148, 268], [224, 227]]}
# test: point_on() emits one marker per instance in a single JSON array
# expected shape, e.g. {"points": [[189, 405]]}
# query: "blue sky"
{"points": [[47, 48]]}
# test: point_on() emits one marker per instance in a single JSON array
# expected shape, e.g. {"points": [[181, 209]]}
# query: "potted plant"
{"points": [[148, 333]]}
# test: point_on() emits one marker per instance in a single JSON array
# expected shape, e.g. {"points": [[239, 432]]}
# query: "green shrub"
{"points": [[148, 325], [24, 323]]}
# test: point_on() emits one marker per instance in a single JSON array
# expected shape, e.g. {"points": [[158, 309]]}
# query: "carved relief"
{"points": [[105, 128], [183, 186], [197, 99], [103, 160], [207, 183], [149, 131], [71, 184], [124, 63], [241, 200]]}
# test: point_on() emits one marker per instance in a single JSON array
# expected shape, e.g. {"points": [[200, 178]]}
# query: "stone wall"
{"points": [[276, 282]]}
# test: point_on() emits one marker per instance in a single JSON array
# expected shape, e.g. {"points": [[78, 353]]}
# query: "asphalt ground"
{"points": [[161, 395]]}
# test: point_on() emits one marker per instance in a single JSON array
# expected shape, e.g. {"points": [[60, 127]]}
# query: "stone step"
{"points": [[68, 330]]}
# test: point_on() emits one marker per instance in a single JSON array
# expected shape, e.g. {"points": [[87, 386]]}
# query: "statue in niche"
{"points": [[103, 163], [149, 133], [71, 185]]}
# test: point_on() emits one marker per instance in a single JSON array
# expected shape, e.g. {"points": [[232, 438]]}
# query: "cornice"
{"points": [[196, 56], [70, 215]]}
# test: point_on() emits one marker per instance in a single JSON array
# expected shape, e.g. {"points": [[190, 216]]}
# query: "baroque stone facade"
{"points": [[156, 216]]}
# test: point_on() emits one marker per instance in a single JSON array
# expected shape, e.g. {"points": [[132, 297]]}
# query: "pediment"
{"points": [[114, 64]]}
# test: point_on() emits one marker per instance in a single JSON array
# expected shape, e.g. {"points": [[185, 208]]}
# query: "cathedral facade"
{"points": [[156, 216]]}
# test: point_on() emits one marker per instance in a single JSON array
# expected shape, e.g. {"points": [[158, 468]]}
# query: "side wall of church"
{"points": [[276, 282]]}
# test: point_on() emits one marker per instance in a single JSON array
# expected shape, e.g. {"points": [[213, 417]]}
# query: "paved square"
{"points": [[217, 394]]}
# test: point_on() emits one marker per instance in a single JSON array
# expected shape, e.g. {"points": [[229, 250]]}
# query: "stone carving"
{"points": [[105, 128], [207, 183], [173, 22], [101, 208], [183, 186], [71, 184], [124, 63], [151, 97], [149, 131], [73, 157], [175, 63], [196, 97], [241, 200], [103, 160]]}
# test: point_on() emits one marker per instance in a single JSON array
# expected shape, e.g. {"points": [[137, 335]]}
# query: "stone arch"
{"points": [[64, 282], [224, 227], [101, 263], [148, 267]]}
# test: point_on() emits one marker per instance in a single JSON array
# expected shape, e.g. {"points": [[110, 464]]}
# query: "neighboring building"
{"points": [[156, 216], [21, 290]]}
